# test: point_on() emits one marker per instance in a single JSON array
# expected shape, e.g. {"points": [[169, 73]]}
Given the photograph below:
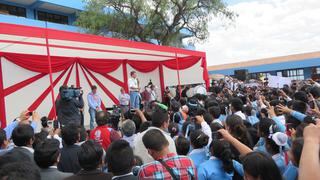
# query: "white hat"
{"points": [[280, 138]]}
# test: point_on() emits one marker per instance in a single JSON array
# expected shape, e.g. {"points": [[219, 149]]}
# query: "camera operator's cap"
{"points": [[280, 138], [128, 128]]}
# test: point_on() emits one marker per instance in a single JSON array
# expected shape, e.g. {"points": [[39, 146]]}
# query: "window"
{"points": [[258, 75], [318, 70], [294, 74], [55, 18], [279, 73], [12, 10]]}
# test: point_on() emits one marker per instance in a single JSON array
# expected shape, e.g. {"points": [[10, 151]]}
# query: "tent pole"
{"points": [[178, 73], [50, 72]]}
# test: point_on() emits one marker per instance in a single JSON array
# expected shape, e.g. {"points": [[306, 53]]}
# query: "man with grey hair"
{"points": [[128, 131]]}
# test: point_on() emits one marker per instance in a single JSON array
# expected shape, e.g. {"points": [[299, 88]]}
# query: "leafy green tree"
{"points": [[165, 22]]}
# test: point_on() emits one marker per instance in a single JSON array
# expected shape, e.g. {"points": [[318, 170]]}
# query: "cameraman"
{"points": [[69, 105]]}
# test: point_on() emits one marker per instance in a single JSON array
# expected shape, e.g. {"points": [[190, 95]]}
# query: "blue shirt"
{"points": [[10, 127], [94, 100], [212, 169], [280, 161], [298, 115], [198, 156], [222, 117], [291, 172], [252, 120]]}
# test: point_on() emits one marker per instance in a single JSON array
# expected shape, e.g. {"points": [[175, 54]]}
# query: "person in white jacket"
{"points": [[160, 121]]}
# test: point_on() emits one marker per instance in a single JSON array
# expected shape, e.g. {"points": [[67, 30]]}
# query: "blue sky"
{"points": [[263, 28]]}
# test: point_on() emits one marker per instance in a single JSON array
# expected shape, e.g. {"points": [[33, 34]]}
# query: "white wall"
{"points": [[192, 75]]}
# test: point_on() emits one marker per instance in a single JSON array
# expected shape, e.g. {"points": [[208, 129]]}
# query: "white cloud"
{"points": [[264, 28]]}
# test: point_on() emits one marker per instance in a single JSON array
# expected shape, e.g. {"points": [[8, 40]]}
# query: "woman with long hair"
{"points": [[199, 142], [220, 165]]}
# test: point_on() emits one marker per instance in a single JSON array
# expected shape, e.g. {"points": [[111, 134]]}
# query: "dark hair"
{"points": [[83, 133], [173, 129], [271, 146], [20, 171], [264, 126], [94, 87], [215, 111], [120, 158], [132, 72], [182, 145], [155, 140], [247, 110], [3, 137], [260, 165], [137, 121], [315, 91], [222, 150], [207, 118], [39, 138], [12, 157], [300, 129], [198, 139], [299, 106], [144, 126], [238, 129], [301, 95], [22, 135], [70, 134], [159, 117], [47, 153], [44, 121], [102, 118], [296, 150], [90, 155], [237, 104]]}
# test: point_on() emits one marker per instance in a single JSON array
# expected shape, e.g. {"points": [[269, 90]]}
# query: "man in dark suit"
{"points": [[69, 159], [120, 160], [91, 161], [22, 137], [46, 156]]}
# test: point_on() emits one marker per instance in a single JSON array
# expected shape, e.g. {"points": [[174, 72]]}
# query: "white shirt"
{"points": [[153, 95], [28, 148], [133, 84], [141, 151], [239, 113], [124, 99]]}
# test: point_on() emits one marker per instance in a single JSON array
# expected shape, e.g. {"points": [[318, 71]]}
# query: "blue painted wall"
{"points": [[275, 67], [37, 23], [31, 14]]}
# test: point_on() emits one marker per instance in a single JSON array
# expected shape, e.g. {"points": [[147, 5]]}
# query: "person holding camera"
{"points": [[69, 105], [94, 102]]}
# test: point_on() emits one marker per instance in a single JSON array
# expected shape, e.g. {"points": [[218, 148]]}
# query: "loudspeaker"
{"points": [[241, 74]]}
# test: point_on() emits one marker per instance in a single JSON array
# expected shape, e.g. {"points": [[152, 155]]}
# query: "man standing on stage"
{"points": [[133, 84], [124, 100], [94, 102]]}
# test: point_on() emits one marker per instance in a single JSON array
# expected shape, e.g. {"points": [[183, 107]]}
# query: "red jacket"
{"points": [[102, 135]]}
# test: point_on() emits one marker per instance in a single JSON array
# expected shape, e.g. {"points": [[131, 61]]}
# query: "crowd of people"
{"points": [[231, 132]]}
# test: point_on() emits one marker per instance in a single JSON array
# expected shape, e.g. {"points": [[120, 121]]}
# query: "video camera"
{"points": [[70, 93]]}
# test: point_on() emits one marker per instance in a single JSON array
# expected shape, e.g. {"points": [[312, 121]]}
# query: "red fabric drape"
{"points": [[77, 76], [101, 66], [184, 63], [38, 63], [205, 72], [125, 75], [144, 66]]}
